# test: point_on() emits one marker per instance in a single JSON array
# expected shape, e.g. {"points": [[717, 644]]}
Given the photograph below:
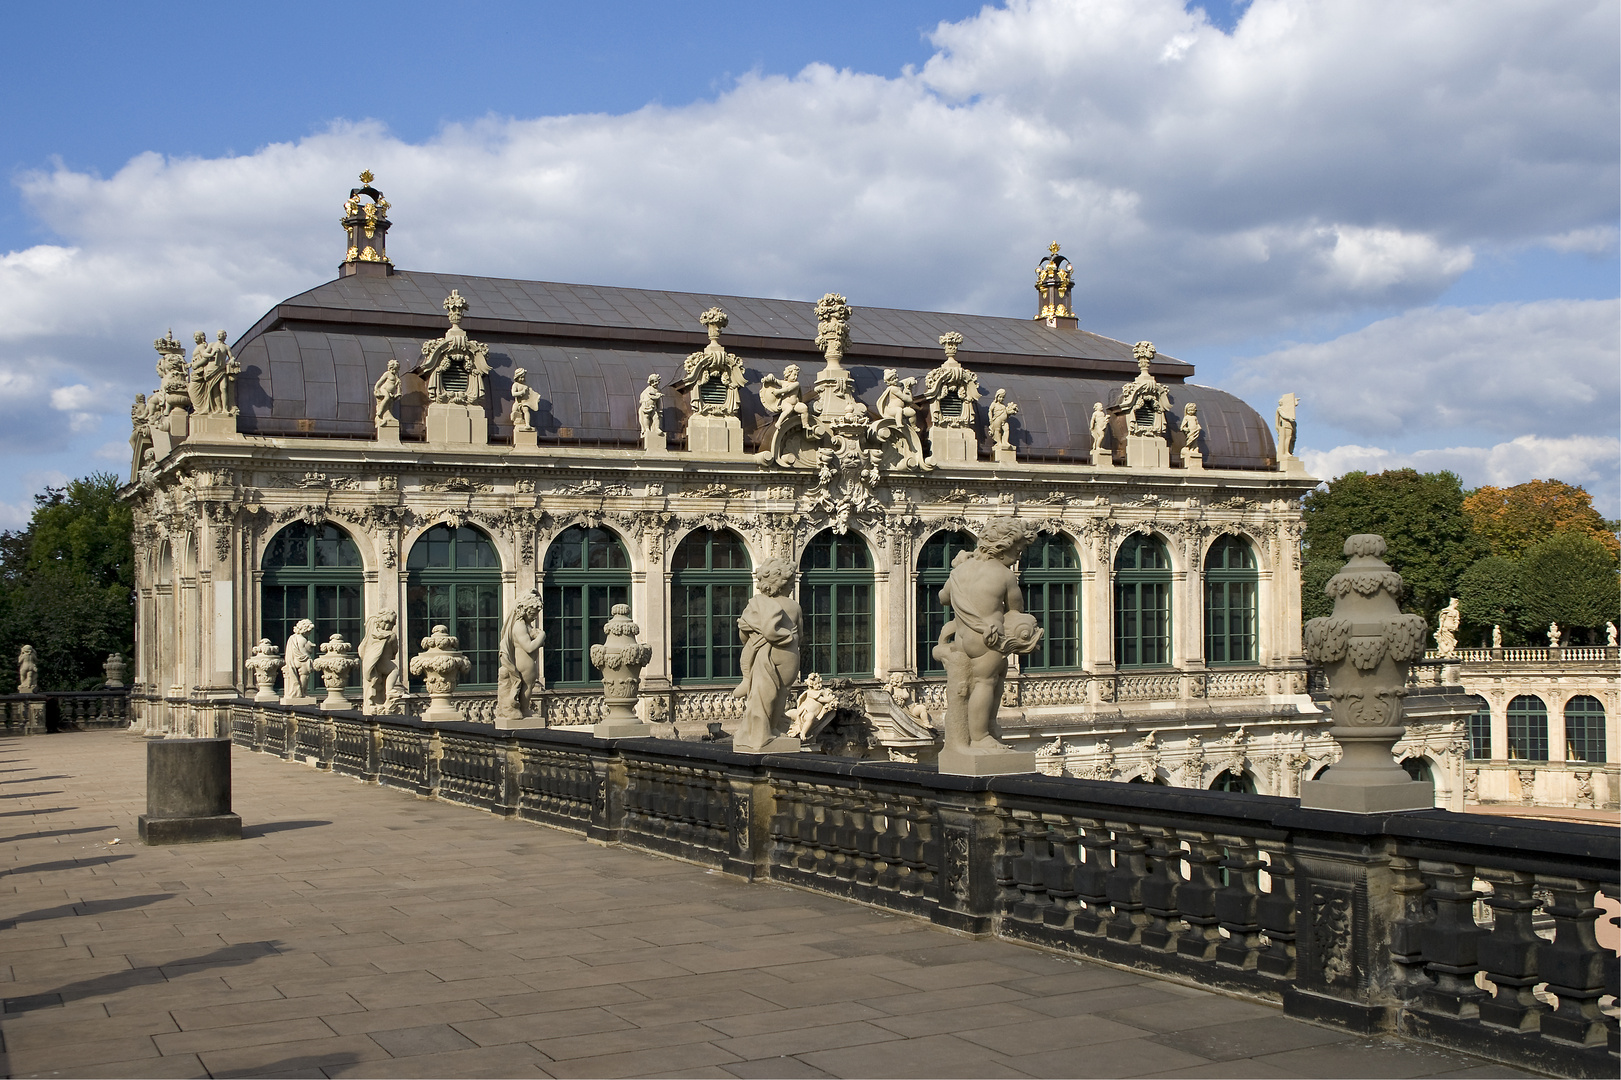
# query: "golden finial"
{"points": [[1053, 248], [366, 178]]}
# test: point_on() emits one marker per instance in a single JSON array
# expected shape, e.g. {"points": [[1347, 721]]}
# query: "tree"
{"points": [[1570, 578], [1512, 520], [1314, 574], [1488, 596], [66, 584], [1421, 517]]}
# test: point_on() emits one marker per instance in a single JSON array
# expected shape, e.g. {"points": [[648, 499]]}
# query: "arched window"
{"points": [[312, 572], [1528, 728], [454, 579], [1229, 602], [1480, 732], [1418, 768], [835, 588], [933, 567], [709, 588], [1050, 577], [1584, 729], [1240, 781], [1142, 603], [587, 573]]}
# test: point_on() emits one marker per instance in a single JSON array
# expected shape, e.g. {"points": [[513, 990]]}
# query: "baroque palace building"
{"points": [[436, 446]]}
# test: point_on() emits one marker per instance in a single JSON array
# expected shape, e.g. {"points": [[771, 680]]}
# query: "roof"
{"points": [[310, 362]]}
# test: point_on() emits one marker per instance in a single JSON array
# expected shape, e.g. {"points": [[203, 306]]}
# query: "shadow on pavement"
{"points": [[35, 779], [28, 794], [46, 835], [228, 956], [42, 810], [316, 1064], [63, 864], [87, 907], [251, 831]]}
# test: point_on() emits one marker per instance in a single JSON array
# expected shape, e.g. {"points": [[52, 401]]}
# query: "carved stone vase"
{"points": [[113, 671], [336, 661], [620, 659], [1365, 648], [440, 666], [263, 664]]}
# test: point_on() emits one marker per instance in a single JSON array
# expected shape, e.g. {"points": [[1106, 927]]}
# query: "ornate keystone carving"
{"points": [[1366, 646], [335, 663], [440, 665]]}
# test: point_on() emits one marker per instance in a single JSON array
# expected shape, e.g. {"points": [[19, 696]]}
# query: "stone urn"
{"points": [[440, 665], [336, 661], [113, 670], [620, 659], [263, 664], [1365, 648]]}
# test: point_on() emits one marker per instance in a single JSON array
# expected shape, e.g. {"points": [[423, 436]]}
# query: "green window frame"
{"points": [[1480, 732], [1528, 728], [453, 578], [1584, 729], [313, 572], [835, 589], [933, 568], [1231, 584], [710, 585], [587, 572], [1050, 578], [1142, 603]]}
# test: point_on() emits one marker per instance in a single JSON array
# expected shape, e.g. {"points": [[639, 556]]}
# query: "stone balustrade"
{"points": [[35, 714], [1477, 934]]}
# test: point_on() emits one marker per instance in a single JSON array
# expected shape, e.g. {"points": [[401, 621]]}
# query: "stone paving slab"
{"points": [[357, 932]]}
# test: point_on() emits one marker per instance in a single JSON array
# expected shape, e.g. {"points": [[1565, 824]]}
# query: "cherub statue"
{"points": [[379, 673], [898, 415], [816, 702], [770, 629], [650, 409], [524, 400], [386, 392], [1609, 634], [27, 671], [521, 639], [1099, 423], [298, 660], [1001, 411], [785, 398], [901, 694], [1192, 429]]}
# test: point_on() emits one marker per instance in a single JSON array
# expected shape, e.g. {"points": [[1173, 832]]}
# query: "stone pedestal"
{"points": [[621, 727], [214, 427], [1147, 452], [1008, 456], [522, 723], [179, 423], [526, 440], [188, 792], [1288, 463], [299, 699], [457, 425], [1102, 459], [388, 430], [1193, 460], [778, 744], [951, 445], [656, 444], [714, 434], [989, 762]]}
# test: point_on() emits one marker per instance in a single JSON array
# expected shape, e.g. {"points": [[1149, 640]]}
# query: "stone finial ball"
{"points": [[1365, 544]]}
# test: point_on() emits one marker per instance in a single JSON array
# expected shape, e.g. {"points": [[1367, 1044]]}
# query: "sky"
{"points": [[1405, 213]]}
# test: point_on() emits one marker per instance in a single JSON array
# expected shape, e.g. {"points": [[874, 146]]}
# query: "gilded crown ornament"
{"points": [[1054, 281], [366, 225]]}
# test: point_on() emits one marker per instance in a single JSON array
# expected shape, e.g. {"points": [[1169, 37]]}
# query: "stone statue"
{"points": [[297, 662], [1001, 411], [1446, 629], [112, 670], [379, 667], [212, 384], [1099, 423], [1287, 404], [898, 416], [521, 639], [650, 409], [902, 695], [620, 658], [27, 671], [1192, 429], [440, 665], [1553, 635], [816, 702], [1144, 401], [952, 388], [770, 629], [1366, 646], [387, 393], [1609, 634], [786, 398], [988, 624], [1497, 637], [714, 364], [335, 663], [263, 664], [524, 401]]}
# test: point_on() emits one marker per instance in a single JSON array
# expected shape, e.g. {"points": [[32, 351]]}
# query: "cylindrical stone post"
{"points": [[188, 792]]}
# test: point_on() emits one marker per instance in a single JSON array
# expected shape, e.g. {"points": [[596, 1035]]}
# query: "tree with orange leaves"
{"points": [[1514, 519]]}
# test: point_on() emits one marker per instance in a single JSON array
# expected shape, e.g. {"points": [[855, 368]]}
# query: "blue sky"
{"points": [[1406, 213]]}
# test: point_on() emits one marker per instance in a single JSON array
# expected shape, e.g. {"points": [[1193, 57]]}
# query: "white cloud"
{"points": [[1592, 461], [1551, 367]]}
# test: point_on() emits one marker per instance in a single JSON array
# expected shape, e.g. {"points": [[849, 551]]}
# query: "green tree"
{"points": [[1314, 574], [66, 584], [1488, 596], [1570, 578], [1421, 517], [1509, 521]]}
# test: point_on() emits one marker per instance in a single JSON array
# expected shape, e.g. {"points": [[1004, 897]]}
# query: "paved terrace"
{"points": [[359, 931]]}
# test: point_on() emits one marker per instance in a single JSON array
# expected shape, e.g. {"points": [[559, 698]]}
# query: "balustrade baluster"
{"points": [[1058, 873], [1275, 913], [1197, 897], [844, 839], [1125, 883], [1029, 880], [1161, 888], [1573, 964], [1406, 932], [867, 857], [914, 848], [1451, 940], [1508, 955], [1092, 876]]}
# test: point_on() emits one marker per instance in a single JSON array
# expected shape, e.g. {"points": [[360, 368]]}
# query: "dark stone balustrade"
{"points": [[1429, 924], [65, 710]]}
